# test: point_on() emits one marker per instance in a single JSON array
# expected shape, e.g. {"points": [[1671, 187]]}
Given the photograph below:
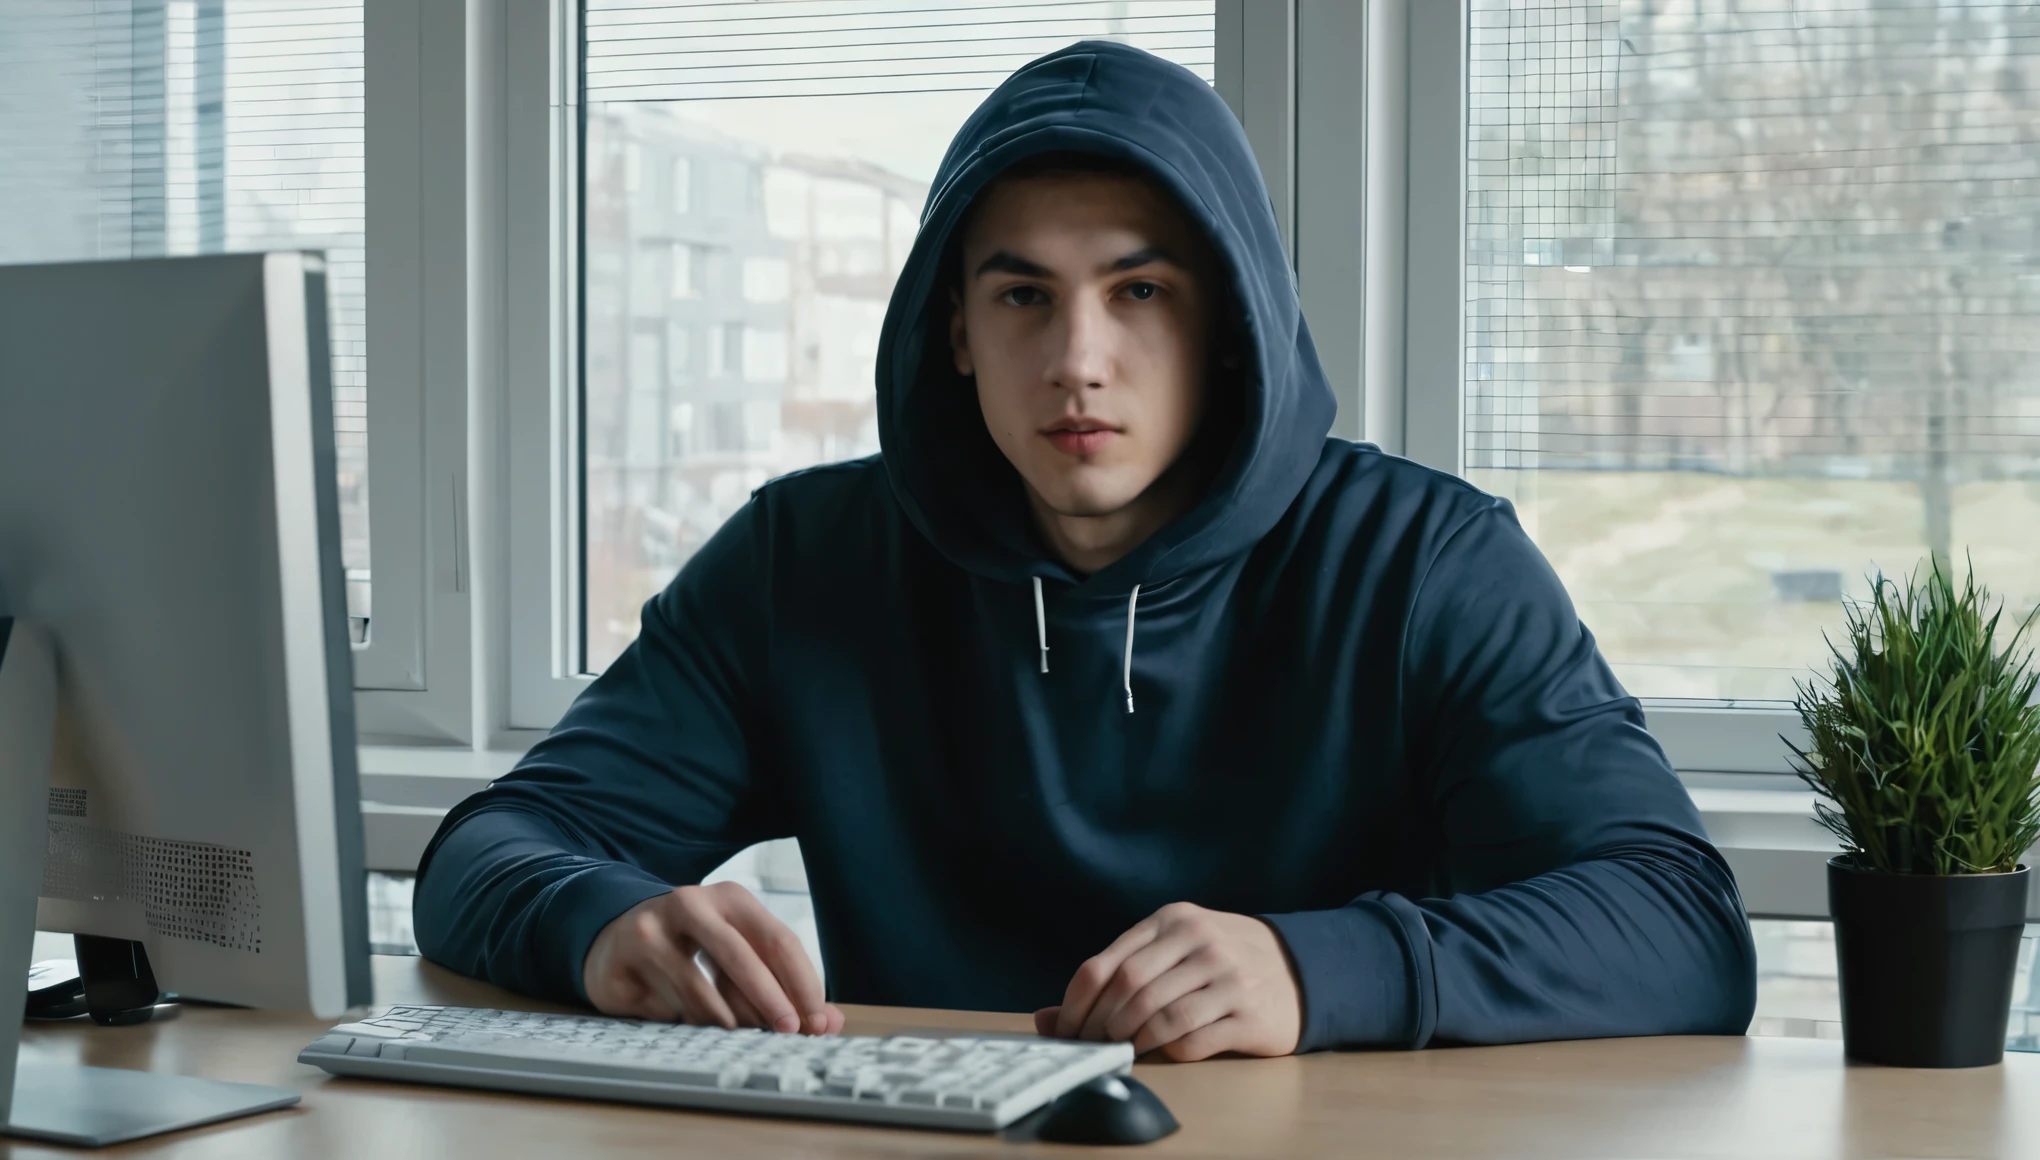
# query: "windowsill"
{"points": [[1772, 809], [1768, 834], [1757, 816], [1759, 794], [424, 775], [407, 789], [1762, 823]]}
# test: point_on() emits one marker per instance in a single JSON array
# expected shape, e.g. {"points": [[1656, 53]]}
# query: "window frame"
{"points": [[413, 678], [545, 585], [543, 407], [512, 195], [1286, 68]]}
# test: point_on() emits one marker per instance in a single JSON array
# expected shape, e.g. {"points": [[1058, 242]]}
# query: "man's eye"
{"points": [[1022, 291], [1142, 291]]}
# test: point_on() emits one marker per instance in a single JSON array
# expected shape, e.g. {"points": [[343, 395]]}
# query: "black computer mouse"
{"points": [[1112, 1109]]}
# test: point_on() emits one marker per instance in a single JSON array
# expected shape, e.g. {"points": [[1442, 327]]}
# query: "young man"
{"points": [[1113, 689]]}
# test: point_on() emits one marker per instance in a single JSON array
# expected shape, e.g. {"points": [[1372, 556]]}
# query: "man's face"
{"points": [[1084, 312]]}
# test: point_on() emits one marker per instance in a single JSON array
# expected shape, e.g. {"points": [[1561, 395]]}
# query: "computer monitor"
{"points": [[177, 750]]}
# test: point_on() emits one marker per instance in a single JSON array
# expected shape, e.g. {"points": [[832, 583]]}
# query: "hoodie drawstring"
{"points": [[1131, 602], [1041, 632], [1041, 624]]}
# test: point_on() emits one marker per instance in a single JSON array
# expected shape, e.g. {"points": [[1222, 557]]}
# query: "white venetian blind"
{"points": [[1754, 236], [807, 48], [146, 128]]}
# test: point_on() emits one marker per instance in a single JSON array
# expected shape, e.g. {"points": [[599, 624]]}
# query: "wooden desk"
{"points": [[1713, 1097]]}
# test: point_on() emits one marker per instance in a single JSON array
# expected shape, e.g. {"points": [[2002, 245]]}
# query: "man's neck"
{"points": [[1089, 543]]}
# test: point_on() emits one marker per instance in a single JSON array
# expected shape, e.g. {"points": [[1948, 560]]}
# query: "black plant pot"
{"points": [[1926, 963]]}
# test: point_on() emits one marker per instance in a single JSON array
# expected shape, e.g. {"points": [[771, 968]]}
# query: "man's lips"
{"points": [[1080, 436]]}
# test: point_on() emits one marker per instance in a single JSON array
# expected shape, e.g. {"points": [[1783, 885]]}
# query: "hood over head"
{"points": [[1113, 100]]}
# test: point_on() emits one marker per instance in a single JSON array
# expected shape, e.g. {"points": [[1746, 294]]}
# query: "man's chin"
{"points": [[1076, 504], [1096, 511]]}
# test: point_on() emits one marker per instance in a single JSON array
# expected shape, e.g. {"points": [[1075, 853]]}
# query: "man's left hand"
{"points": [[1188, 981]]}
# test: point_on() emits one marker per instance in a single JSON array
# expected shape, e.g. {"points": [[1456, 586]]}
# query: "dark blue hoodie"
{"points": [[1363, 706]]}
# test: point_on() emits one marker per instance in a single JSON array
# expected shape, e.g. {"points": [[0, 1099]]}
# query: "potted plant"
{"points": [[1925, 751]]}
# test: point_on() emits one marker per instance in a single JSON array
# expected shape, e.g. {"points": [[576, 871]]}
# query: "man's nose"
{"points": [[1083, 355]]}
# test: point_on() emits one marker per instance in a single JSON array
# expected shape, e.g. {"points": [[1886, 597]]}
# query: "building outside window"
{"points": [[799, 145], [157, 128]]}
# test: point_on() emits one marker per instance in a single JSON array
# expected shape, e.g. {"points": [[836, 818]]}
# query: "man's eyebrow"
{"points": [[1008, 262], [1143, 256]]}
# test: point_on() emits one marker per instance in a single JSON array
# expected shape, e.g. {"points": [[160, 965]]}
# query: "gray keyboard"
{"points": [[968, 1083]]}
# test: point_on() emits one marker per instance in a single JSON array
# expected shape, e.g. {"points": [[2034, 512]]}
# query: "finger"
{"points": [[734, 956], [1141, 967], [611, 987], [652, 997], [1097, 971], [783, 955], [825, 1022], [622, 994], [1182, 1018], [666, 964], [747, 1015], [1186, 976], [1044, 1020], [1220, 1035], [665, 999]]}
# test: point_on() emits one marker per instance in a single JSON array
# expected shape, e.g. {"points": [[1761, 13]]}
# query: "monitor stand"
{"points": [[42, 1098], [120, 987]]}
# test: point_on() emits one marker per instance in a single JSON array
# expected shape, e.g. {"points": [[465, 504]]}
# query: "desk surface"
{"points": [[1675, 1097]]}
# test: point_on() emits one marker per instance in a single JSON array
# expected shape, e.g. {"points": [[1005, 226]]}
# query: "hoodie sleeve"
{"points": [[1584, 898], [647, 782]]}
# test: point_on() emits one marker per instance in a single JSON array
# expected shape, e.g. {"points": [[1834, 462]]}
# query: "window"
{"points": [[765, 279], [1749, 302], [683, 184], [679, 367], [187, 127], [800, 144], [685, 281], [764, 357], [718, 357]]}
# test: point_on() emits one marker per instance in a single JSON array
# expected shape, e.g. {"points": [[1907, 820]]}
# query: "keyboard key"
{"points": [[795, 1079]]}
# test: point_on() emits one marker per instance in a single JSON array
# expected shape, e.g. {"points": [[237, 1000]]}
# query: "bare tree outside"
{"points": [[1752, 293]]}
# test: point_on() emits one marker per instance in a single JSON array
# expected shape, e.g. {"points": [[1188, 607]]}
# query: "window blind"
{"points": [[807, 48], [165, 127], [1754, 237]]}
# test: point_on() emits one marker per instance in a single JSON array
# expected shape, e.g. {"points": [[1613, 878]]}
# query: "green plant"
{"points": [[1925, 741]]}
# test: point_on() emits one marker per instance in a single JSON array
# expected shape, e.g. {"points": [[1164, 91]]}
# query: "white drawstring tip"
{"points": [[1132, 603], [1041, 624]]}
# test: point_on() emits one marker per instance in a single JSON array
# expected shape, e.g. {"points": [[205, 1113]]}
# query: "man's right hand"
{"points": [[642, 964]]}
